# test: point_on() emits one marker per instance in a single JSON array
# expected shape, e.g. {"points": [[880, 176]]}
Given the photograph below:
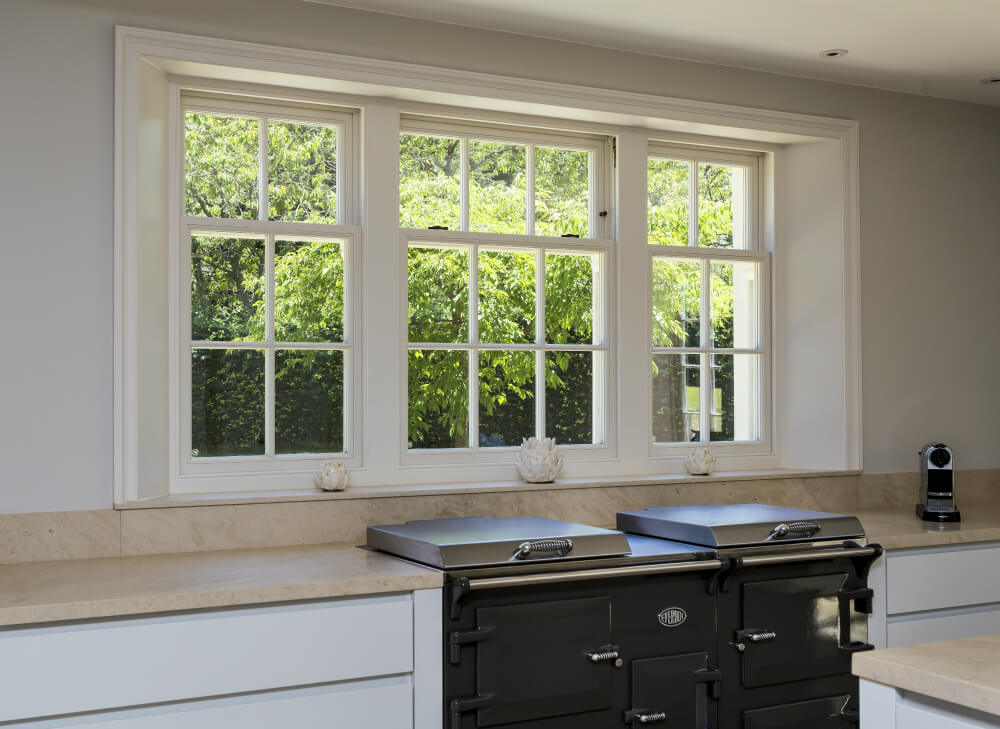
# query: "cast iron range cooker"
{"points": [[555, 625], [792, 602]]}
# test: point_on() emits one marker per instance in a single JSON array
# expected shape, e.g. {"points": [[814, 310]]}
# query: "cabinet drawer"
{"points": [[100, 665], [933, 580], [948, 626], [386, 703]]}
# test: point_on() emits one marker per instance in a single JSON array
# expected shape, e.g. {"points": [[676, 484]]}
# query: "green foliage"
{"points": [[302, 172], [221, 171]]}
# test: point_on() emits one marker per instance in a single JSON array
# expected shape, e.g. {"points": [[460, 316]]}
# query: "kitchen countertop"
{"points": [[964, 672], [99, 588], [899, 528]]}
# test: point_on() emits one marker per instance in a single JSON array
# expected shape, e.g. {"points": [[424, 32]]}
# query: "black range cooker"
{"points": [[556, 625]]}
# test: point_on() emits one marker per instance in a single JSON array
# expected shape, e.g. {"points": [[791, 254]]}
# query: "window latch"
{"points": [[569, 235], [437, 227]]}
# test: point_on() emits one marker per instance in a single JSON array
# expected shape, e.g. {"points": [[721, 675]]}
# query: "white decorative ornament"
{"points": [[700, 462], [331, 476], [539, 460]]}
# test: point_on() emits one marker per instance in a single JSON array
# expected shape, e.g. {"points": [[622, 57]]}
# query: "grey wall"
{"points": [[930, 182]]}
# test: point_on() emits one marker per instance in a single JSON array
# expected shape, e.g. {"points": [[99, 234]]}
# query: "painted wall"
{"points": [[930, 222]]}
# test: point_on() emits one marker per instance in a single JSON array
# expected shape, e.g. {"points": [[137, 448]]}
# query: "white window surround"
{"points": [[809, 220]]}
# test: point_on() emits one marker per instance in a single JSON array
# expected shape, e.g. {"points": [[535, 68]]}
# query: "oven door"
{"points": [[539, 660], [796, 628], [830, 712]]}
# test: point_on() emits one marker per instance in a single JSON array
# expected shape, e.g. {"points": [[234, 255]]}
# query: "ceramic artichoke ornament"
{"points": [[539, 460], [331, 476], [700, 462]]}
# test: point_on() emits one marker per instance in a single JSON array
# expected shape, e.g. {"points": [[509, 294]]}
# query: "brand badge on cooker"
{"points": [[671, 617]]}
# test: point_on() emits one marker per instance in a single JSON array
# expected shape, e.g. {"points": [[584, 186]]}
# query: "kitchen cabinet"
{"points": [[935, 593], [356, 661]]}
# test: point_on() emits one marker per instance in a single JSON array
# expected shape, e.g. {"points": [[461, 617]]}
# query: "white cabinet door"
{"points": [[385, 703], [935, 579], [45, 671], [948, 625]]}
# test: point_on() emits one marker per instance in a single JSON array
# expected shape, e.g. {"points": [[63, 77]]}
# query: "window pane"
{"points": [[438, 294], [676, 398], [497, 187], [227, 289], [308, 291], [734, 397], [569, 298], [669, 202], [438, 385], [506, 297], [676, 303], [569, 396], [506, 398], [430, 174], [309, 401], [227, 402], [718, 227], [301, 172], [221, 163], [734, 304], [562, 192]]}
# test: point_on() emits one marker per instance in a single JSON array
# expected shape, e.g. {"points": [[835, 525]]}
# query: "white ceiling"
{"points": [[933, 47]]}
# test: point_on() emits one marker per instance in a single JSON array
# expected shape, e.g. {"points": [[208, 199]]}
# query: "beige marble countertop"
{"points": [[964, 672], [106, 587], [899, 528]]}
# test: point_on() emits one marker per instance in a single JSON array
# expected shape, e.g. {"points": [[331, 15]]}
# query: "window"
{"points": [[506, 334], [265, 283], [708, 349]]}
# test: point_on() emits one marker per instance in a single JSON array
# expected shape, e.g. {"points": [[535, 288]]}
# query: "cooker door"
{"points": [[672, 691], [545, 659], [827, 713], [792, 629]]}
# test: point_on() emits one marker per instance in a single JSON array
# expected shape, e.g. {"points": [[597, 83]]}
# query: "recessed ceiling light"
{"points": [[991, 80], [833, 53]]}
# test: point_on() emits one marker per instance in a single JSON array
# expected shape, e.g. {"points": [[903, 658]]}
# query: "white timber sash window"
{"points": [[507, 263], [709, 289], [267, 346]]}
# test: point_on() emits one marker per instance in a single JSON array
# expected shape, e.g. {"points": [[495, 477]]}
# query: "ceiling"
{"points": [[929, 47]]}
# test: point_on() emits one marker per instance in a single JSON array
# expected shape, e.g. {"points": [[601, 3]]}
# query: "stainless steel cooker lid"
{"points": [[739, 525], [483, 541]]}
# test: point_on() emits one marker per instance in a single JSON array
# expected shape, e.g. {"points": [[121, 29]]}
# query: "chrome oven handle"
{"points": [[546, 578], [805, 528], [561, 547]]}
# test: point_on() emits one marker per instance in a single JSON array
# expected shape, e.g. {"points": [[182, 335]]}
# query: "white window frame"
{"points": [[705, 256], [600, 186], [207, 474]]}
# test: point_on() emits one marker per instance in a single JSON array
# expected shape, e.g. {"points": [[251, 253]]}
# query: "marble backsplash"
{"points": [[107, 533]]}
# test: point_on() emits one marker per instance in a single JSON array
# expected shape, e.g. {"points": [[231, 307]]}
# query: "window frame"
{"points": [[755, 252], [220, 474]]}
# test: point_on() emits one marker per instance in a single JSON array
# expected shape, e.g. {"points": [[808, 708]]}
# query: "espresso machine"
{"points": [[937, 484]]}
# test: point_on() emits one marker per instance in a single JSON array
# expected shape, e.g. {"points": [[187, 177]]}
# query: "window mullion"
{"points": [[705, 359], [473, 341], [539, 338], [269, 353], [464, 182]]}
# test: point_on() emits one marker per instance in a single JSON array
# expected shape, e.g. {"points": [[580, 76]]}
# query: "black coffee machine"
{"points": [[937, 484]]}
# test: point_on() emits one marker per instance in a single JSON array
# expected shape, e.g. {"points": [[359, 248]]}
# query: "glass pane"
{"points": [[676, 303], [569, 298], [220, 171], [676, 399], [569, 396], [734, 304], [718, 227], [227, 402], [227, 289], [308, 401], [430, 175], [301, 172], [506, 398], [497, 187], [438, 393], [308, 291], [562, 192], [669, 202], [438, 294], [506, 297], [734, 397]]}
